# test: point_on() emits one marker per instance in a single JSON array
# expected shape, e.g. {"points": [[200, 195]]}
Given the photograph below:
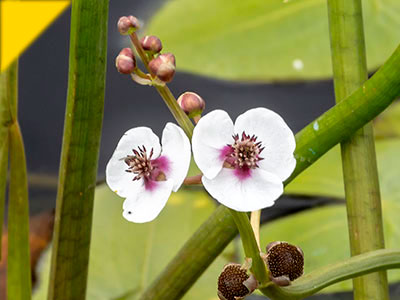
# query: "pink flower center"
{"points": [[243, 155], [144, 167]]}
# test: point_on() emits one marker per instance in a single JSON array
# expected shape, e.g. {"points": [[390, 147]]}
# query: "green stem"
{"points": [[8, 92], [169, 99], [250, 246], [313, 141], [364, 212], [80, 150], [315, 281], [18, 260]]}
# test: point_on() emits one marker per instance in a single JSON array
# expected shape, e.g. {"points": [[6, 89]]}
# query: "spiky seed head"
{"points": [[284, 260], [234, 283]]}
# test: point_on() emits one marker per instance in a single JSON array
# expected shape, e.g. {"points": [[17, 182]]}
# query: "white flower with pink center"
{"points": [[145, 173], [244, 164]]}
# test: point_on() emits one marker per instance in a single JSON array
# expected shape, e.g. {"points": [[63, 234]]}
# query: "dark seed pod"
{"points": [[234, 283], [285, 262]]}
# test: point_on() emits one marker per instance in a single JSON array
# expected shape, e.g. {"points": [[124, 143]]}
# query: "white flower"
{"points": [[145, 173], [244, 164]]}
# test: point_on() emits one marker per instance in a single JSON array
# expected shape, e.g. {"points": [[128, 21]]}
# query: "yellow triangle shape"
{"points": [[22, 22]]}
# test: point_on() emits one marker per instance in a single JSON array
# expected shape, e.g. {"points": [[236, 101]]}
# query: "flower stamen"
{"points": [[245, 152], [140, 164]]}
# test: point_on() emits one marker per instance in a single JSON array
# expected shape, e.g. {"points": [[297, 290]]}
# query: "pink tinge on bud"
{"points": [[125, 61], [151, 43], [128, 25], [191, 103], [163, 66]]}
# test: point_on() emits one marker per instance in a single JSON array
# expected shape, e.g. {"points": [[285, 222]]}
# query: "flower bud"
{"points": [[151, 43], [191, 103], [163, 66], [234, 283], [285, 262], [128, 25], [125, 61]]}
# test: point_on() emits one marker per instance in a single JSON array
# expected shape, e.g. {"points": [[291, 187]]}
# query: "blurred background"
{"points": [[291, 77]]}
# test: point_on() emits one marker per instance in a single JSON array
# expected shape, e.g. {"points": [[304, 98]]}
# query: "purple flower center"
{"points": [[144, 167], [243, 155]]}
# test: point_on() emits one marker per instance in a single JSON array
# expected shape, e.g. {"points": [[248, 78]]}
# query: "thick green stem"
{"points": [[315, 281], [18, 260], [364, 212], [313, 141], [169, 99], [80, 150], [251, 249]]}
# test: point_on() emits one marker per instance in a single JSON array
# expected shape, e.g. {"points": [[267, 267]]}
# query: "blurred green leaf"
{"points": [[387, 124], [265, 40], [322, 233], [125, 257]]}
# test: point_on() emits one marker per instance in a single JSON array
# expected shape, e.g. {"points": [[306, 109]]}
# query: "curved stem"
{"points": [[315, 281], [251, 249]]}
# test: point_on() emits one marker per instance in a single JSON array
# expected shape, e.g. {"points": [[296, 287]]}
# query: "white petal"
{"points": [[121, 181], [116, 176], [146, 206], [258, 191], [211, 134], [176, 147], [276, 137]]}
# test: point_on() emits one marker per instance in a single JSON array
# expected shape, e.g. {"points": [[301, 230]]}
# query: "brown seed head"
{"points": [[163, 66], [234, 283], [151, 43], [128, 25], [125, 61], [284, 259], [191, 103]]}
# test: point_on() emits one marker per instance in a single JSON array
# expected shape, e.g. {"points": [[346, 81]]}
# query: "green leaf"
{"points": [[265, 40], [322, 233], [125, 257]]}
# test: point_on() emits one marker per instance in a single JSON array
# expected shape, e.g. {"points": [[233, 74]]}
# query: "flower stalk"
{"points": [[251, 248], [364, 211], [169, 99], [321, 135]]}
